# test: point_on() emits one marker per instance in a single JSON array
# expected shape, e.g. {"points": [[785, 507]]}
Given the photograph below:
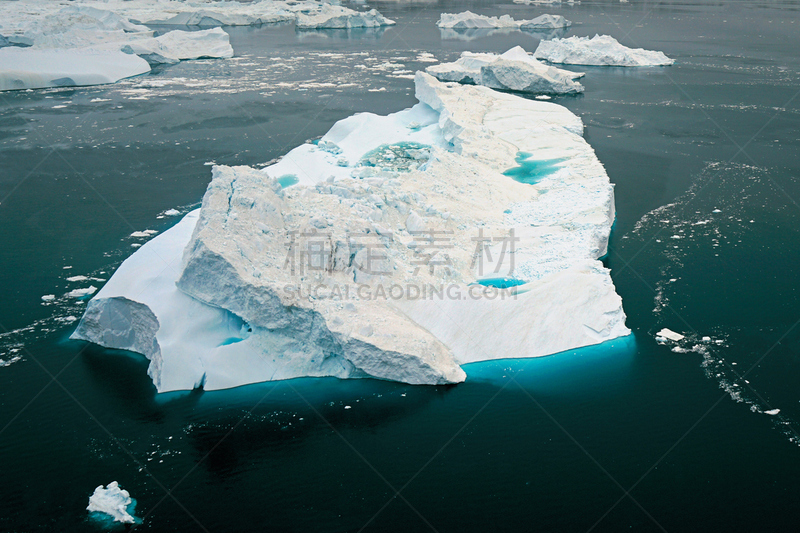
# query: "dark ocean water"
{"points": [[626, 435]]}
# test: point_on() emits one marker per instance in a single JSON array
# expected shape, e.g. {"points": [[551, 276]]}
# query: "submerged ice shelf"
{"points": [[325, 263]]}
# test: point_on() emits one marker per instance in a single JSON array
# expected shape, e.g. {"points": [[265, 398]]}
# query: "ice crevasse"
{"points": [[237, 292]]}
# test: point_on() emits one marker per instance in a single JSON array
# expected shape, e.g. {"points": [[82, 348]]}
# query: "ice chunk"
{"points": [[599, 50], [114, 502], [772, 412], [670, 335], [515, 70], [80, 293], [26, 68]]}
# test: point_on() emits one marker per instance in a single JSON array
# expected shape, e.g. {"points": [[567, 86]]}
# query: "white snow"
{"points": [[599, 50], [469, 20], [113, 501], [670, 335], [514, 70], [215, 300]]}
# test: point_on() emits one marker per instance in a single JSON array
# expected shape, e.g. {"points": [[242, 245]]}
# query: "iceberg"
{"points": [[113, 502], [515, 70], [81, 45], [376, 253], [469, 20], [601, 50], [25, 68], [329, 16]]}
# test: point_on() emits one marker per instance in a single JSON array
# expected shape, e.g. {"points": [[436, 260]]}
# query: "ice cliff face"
{"points": [[601, 50], [359, 256], [515, 70]]}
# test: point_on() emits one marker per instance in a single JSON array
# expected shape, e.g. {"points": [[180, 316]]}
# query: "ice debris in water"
{"points": [[670, 335], [114, 502]]}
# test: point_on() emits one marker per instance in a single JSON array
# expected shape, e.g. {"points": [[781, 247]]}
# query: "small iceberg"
{"points": [[469, 20], [600, 50], [338, 17], [113, 502], [515, 70]]}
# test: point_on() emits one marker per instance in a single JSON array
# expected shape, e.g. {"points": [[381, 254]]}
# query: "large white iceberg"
{"points": [[601, 50], [359, 256], [515, 70], [113, 502], [23, 68], [469, 20]]}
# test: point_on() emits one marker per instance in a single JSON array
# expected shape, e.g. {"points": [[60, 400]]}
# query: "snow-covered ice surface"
{"points": [[515, 70], [601, 50], [468, 20], [114, 502], [262, 282]]}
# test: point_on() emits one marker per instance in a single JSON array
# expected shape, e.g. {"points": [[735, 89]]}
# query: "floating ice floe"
{"points": [[81, 45], [24, 68], [469, 20], [515, 70], [670, 335], [468, 26], [323, 264], [338, 17], [601, 50], [113, 502], [772, 412]]}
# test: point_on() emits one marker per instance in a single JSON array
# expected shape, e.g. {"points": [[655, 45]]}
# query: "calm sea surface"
{"points": [[705, 156]]}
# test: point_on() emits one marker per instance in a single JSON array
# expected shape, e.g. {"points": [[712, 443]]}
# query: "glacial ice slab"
{"points": [[373, 264], [514, 70], [602, 50], [24, 68]]}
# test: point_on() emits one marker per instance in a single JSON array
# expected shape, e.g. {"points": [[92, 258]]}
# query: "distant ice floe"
{"points": [[213, 302], [113, 502], [602, 50], [80, 45], [546, 2], [62, 44], [468, 26], [468, 20], [515, 70]]}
